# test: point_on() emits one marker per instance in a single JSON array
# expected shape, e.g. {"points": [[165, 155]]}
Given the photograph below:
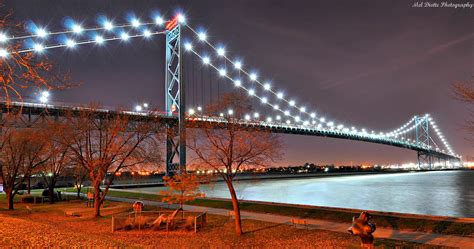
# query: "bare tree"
{"points": [[226, 148], [465, 92], [16, 146], [105, 143], [58, 157], [20, 71]]}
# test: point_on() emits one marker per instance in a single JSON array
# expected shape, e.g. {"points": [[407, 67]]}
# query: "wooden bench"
{"points": [[301, 222]]}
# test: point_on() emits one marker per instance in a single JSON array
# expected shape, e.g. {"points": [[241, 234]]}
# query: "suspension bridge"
{"points": [[216, 73]]}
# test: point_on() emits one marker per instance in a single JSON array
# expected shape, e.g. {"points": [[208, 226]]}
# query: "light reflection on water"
{"points": [[445, 193]]}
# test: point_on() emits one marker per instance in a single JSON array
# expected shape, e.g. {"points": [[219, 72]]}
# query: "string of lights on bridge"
{"points": [[145, 29]]}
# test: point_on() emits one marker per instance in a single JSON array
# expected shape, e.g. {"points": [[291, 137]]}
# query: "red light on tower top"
{"points": [[170, 25]]}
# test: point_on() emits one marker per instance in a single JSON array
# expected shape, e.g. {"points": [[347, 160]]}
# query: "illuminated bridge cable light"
{"points": [[3, 38], [375, 136]]}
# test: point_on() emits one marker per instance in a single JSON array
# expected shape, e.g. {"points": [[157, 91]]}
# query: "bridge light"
{"points": [[292, 103], [313, 122], [330, 124], [278, 117], [76, 28], [267, 86], [230, 112], [146, 33], [238, 65], [253, 76], [124, 36], [251, 92], [202, 36], [269, 119], [280, 95], [256, 115], [322, 120], [221, 114], [136, 23], [188, 46], [237, 83], [276, 107], [264, 100], [99, 39], [221, 51], [3, 37], [287, 113], [222, 72], [159, 20], [191, 111], [313, 115], [247, 117], [138, 108], [181, 18], [297, 119], [306, 123], [303, 109], [41, 32], [108, 25], [145, 105], [38, 48], [288, 121], [44, 97], [199, 108], [206, 60], [70, 43], [320, 126], [3, 53]]}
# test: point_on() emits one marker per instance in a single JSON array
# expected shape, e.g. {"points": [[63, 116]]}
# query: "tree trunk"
{"points": [[97, 201], [29, 184], [51, 192], [78, 192], [235, 204], [9, 199]]}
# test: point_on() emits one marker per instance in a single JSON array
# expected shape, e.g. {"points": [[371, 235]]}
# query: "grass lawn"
{"points": [[398, 223], [47, 226]]}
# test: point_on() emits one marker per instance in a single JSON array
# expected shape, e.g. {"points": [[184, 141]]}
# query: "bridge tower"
{"points": [[422, 136], [175, 100]]}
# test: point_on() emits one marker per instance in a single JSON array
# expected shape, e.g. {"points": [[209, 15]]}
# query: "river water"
{"points": [[445, 193]]}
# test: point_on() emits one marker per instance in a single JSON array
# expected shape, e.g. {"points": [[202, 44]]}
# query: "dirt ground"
{"points": [[48, 226]]}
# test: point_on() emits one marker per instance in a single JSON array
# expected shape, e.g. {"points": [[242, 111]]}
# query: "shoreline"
{"points": [[273, 176]]}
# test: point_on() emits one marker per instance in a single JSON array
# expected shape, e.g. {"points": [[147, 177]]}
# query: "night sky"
{"points": [[373, 64]]}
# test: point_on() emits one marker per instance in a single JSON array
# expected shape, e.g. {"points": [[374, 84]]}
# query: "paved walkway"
{"points": [[385, 233]]}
